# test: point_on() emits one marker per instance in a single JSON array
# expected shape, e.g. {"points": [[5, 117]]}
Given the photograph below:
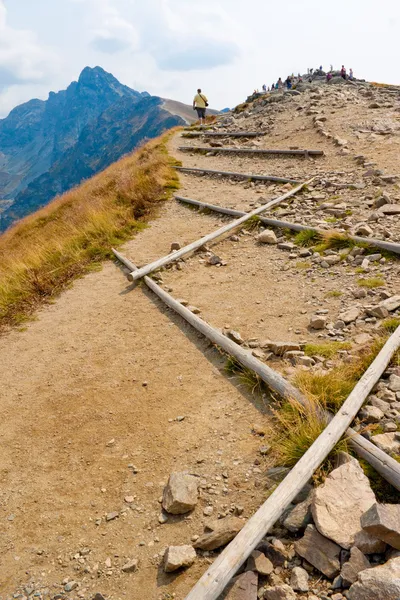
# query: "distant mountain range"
{"points": [[48, 147]]}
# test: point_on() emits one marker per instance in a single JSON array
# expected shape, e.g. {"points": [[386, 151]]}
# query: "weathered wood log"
{"points": [[232, 134], [216, 578], [174, 256], [389, 246], [260, 151], [245, 176], [384, 464]]}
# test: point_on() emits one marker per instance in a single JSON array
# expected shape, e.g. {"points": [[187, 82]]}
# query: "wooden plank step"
{"points": [[261, 151], [245, 176]]}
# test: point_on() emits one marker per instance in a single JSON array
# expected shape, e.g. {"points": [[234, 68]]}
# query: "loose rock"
{"points": [[320, 552], [267, 237], [379, 583], [245, 587], [180, 494], [177, 557], [260, 563], [299, 580], [131, 566], [350, 570], [383, 521], [219, 533]]}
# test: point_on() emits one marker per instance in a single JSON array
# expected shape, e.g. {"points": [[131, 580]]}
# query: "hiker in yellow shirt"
{"points": [[200, 104]]}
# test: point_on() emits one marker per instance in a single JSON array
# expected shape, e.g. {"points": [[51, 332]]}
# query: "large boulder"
{"points": [[338, 505], [180, 493], [320, 552], [383, 522], [177, 557], [219, 533], [379, 583]]}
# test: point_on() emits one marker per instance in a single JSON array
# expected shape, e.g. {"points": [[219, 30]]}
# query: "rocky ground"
{"points": [[131, 456]]}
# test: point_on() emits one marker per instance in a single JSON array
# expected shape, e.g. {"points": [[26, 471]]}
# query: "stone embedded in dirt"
{"points": [[260, 563], [299, 580], [379, 583], [286, 246], [392, 303], [279, 592], [317, 322], [70, 586], [235, 336], [214, 260], [180, 493], [177, 557], [363, 230], [379, 403], [362, 338], [300, 515], [320, 552], [280, 348], [131, 566], [390, 209], [267, 237], [97, 596], [219, 533], [356, 563], [175, 246], [388, 442], [394, 383], [350, 315], [338, 505], [383, 522], [245, 587], [371, 414], [194, 309], [380, 312], [111, 516]]}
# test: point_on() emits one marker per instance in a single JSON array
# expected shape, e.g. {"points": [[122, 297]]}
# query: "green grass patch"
{"points": [[371, 282], [303, 264], [391, 324], [327, 350], [334, 294], [306, 238]]}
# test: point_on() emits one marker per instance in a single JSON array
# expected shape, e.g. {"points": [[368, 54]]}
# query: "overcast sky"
{"points": [[171, 47]]}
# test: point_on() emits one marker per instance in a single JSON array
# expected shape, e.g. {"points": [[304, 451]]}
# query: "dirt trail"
{"points": [[91, 392]]}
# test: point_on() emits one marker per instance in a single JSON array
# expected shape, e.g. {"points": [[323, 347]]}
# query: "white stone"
{"points": [[267, 237], [177, 557]]}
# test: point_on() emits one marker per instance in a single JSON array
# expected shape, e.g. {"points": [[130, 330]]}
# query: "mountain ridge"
{"points": [[49, 146]]}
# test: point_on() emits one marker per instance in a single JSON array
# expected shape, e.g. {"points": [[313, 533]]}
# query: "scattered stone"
{"points": [[177, 557], [349, 316], [175, 246], [380, 312], [70, 586], [219, 533], [214, 260], [235, 336], [280, 348], [390, 209], [350, 570], [111, 516], [379, 583], [299, 580], [394, 383], [317, 322], [280, 592], [338, 505], [208, 511], [245, 587], [131, 566], [267, 237], [180, 494], [383, 521], [392, 303], [274, 552], [260, 563], [371, 414], [363, 230], [388, 442], [362, 338], [320, 552]]}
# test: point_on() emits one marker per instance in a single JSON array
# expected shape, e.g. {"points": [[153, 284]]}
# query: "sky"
{"points": [[171, 47]]}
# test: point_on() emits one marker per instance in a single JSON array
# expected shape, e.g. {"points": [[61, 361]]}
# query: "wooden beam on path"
{"points": [[219, 574], [245, 176], [260, 151], [382, 244], [232, 134], [174, 256], [382, 463]]}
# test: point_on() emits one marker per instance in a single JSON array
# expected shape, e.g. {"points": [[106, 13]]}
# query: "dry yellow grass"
{"points": [[42, 253]]}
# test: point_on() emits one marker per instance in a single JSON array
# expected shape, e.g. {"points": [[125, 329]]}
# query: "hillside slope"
{"points": [[112, 392]]}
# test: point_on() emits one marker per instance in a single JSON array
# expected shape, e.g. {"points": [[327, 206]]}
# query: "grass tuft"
{"points": [[247, 377], [391, 324], [334, 294], [327, 350], [371, 282], [44, 252], [306, 238]]}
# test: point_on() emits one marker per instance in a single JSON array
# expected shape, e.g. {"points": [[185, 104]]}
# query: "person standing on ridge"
{"points": [[200, 104], [343, 72]]}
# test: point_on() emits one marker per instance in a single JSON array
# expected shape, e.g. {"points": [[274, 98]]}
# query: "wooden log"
{"points": [[245, 176], [233, 134], [174, 256], [260, 151], [219, 574], [389, 246], [384, 464]]}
